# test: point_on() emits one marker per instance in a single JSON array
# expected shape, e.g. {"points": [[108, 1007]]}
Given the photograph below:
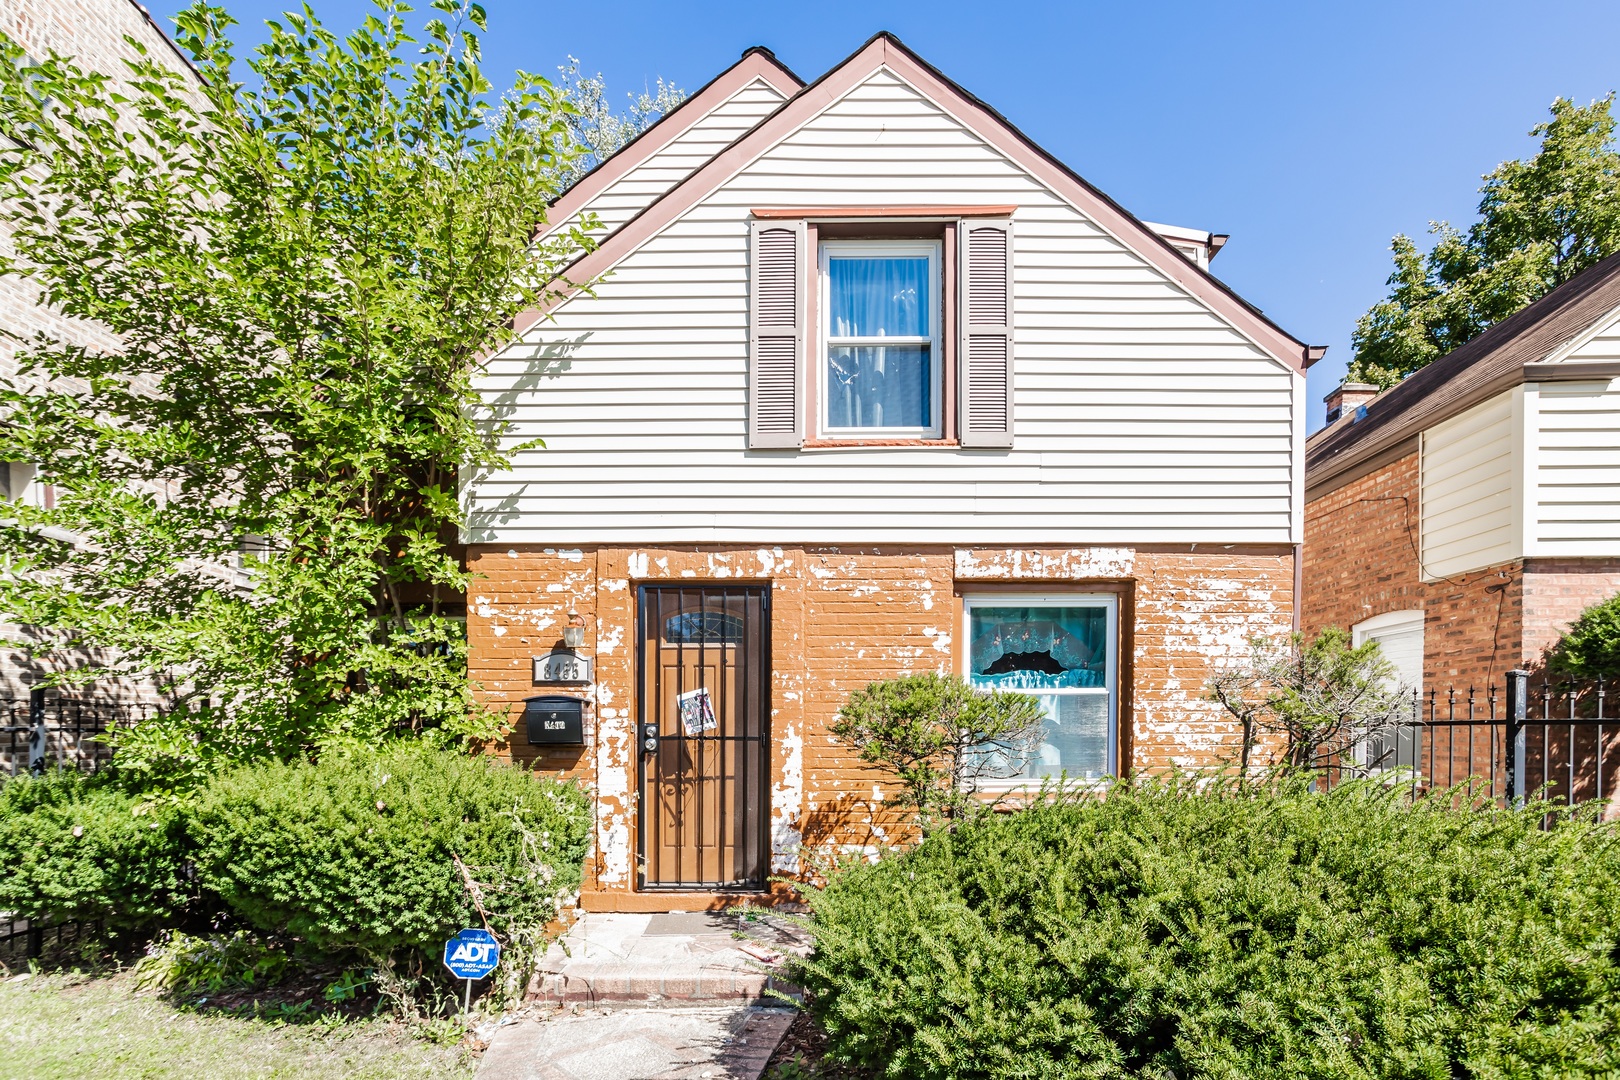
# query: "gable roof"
{"points": [[885, 50], [757, 63], [1496, 360]]}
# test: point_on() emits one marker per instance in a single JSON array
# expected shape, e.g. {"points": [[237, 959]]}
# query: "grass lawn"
{"points": [[66, 1026]]}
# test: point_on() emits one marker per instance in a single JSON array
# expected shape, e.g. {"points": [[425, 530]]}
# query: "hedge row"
{"points": [[370, 852], [1167, 931]]}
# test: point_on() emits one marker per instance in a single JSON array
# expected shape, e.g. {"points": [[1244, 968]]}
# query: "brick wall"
{"points": [[1556, 591], [1361, 560], [842, 617], [92, 32]]}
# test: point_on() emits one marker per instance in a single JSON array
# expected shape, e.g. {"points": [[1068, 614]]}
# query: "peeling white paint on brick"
{"points": [[613, 797], [498, 630], [1095, 562], [941, 639], [614, 585], [787, 797], [608, 641], [638, 564]]}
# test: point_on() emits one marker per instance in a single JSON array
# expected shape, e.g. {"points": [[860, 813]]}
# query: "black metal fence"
{"points": [[61, 731], [47, 730], [1560, 741]]}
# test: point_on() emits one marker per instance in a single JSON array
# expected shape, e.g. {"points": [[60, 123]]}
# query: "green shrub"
{"points": [[78, 848], [1591, 645], [1244, 932], [938, 736], [361, 852]]}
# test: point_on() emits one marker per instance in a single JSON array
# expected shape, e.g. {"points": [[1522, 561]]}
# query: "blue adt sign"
{"points": [[472, 954]]}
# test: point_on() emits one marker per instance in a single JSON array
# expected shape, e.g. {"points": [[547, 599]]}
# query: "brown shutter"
{"points": [[985, 356], [777, 333]]}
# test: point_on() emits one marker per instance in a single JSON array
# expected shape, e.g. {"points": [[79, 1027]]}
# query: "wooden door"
{"points": [[705, 760]]}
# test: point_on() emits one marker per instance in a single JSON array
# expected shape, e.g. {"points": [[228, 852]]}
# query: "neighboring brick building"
{"points": [[875, 387], [92, 32], [1467, 515]]}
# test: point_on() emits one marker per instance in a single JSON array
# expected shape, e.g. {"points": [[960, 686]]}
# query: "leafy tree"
{"points": [[1590, 648], [594, 125], [1541, 222], [257, 489], [938, 735], [1316, 698]]}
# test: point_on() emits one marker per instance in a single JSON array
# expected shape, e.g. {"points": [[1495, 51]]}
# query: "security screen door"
{"points": [[705, 760]]}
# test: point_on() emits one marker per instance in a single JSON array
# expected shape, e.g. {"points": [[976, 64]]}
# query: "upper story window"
{"points": [[877, 330], [881, 350]]}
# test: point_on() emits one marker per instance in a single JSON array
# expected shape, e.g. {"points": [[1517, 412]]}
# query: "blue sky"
{"points": [[1310, 132]]}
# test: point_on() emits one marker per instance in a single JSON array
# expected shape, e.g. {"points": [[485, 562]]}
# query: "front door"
{"points": [[705, 764]]}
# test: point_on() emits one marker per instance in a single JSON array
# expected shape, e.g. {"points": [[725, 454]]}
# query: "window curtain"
{"points": [[1074, 638], [879, 297], [879, 385]]}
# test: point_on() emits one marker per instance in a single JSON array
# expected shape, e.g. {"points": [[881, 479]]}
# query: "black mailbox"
{"points": [[555, 721]]}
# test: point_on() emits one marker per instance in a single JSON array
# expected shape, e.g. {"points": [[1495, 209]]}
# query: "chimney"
{"points": [[1346, 398]]}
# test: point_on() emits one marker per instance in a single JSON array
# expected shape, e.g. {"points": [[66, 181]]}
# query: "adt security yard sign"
{"points": [[470, 955]]}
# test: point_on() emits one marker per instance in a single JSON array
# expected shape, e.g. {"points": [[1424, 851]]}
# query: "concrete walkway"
{"points": [[681, 996], [639, 1044]]}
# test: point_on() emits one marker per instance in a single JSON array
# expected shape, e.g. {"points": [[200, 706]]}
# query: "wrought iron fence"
{"points": [[1556, 740], [44, 731], [50, 730]]}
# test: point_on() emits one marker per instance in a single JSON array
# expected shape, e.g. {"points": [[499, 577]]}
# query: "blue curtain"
{"points": [[878, 386], [873, 297]]}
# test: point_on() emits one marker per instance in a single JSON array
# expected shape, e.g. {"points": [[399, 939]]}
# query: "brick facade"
{"points": [[92, 32], [842, 617], [1361, 560]]}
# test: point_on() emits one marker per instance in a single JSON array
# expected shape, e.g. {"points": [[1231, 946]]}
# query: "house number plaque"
{"points": [[562, 667]]}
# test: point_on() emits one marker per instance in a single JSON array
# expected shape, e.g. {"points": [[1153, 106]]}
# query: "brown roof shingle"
{"points": [[1485, 366]]}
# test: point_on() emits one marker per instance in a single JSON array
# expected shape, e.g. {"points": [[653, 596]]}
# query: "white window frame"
{"points": [[1110, 604], [1404, 621], [827, 342]]}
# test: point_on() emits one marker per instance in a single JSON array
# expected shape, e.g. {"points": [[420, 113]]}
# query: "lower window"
{"points": [[1062, 651]]}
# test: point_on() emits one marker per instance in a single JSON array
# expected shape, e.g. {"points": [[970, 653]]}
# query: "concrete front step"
{"points": [[614, 983], [675, 959]]}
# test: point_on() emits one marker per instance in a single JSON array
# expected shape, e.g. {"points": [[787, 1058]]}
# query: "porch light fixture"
{"points": [[574, 632]]}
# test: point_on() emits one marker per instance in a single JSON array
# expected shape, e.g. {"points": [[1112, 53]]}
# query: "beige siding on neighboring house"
{"points": [[1576, 468], [1140, 416], [1471, 488], [724, 124]]}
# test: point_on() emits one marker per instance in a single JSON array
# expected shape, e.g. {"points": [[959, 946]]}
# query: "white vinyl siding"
{"points": [[1601, 345], [724, 124], [1576, 468], [1141, 416], [1471, 488]]}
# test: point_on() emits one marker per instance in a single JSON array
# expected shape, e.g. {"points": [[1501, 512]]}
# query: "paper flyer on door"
{"points": [[697, 711]]}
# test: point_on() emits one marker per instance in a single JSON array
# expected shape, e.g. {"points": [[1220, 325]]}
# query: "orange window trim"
{"points": [[832, 213]]}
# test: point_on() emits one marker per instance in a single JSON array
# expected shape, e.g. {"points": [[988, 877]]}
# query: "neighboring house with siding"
{"points": [[93, 33], [868, 384], [1464, 517]]}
